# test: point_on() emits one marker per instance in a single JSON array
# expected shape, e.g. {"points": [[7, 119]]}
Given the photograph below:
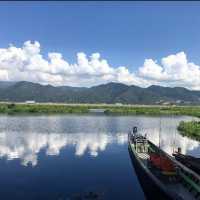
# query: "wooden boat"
{"points": [[160, 175], [189, 161]]}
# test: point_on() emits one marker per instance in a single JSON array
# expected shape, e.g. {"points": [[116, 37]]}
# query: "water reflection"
{"points": [[170, 138], [26, 146], [170, 143], [99, 132]]}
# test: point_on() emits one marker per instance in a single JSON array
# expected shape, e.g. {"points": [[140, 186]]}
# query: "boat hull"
{"points": [[152, 189], [189, 161]]}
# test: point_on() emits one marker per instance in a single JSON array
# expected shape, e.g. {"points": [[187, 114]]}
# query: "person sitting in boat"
{"points": [[135, 129]]}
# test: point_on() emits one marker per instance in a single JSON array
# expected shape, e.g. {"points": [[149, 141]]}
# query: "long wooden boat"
{"points": [[160, 175], [190, 161]]}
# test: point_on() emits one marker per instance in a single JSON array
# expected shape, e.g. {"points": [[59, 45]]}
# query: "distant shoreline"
{"points": [[108, 109]]}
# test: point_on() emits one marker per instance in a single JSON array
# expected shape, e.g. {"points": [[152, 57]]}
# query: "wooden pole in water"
{"points": [[159, 131], [160, 140], [174, 138]]}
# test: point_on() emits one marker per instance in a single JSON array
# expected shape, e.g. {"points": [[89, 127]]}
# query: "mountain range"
{"points": [[105, 93]]}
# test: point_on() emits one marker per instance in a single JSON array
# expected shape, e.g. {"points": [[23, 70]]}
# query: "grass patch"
{"points": [[190, 129], [156, 110], [110, 109], [41, 108]]}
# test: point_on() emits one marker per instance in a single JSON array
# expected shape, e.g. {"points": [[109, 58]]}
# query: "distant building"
{"points": [[160, 102], [179, 101], [30, 102], [166, 103], [118, 104]]}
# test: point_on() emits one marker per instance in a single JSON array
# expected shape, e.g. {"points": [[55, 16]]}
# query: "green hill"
{"points": [[105, 93]]}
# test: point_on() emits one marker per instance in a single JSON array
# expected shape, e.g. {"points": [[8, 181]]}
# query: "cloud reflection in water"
{"points": [[26, 146], [170, 141]]}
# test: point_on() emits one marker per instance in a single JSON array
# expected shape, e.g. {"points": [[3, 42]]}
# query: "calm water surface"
{"points": [[60, 157]]}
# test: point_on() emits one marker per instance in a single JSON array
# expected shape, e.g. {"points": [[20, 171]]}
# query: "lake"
{"points": [[64, 156]]}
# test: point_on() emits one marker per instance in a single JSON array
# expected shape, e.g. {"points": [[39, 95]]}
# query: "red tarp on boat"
{"points": [[162, 162]]}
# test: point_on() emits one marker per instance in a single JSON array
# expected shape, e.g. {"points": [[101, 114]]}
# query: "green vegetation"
{"points": [[190, 129], [41, 108], [110, 109], [156, 110]]}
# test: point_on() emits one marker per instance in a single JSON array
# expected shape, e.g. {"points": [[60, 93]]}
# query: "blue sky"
{"points": [[124, 33]]}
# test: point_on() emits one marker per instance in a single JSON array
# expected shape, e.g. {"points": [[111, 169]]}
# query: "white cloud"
{"points": [[28, 63], [175, 70]]}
